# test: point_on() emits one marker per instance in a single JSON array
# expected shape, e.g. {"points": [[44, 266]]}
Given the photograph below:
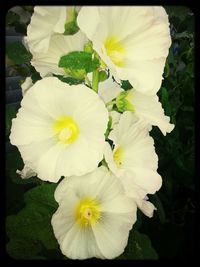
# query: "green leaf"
{"points": [[69, 80], [18, 53], [78, 63], [126, 85], [139, 248], [33, 222], [10, 114], [165, 101]]}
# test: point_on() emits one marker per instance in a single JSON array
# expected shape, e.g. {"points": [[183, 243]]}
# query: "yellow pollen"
{"points": [[87, 212], [66, 129], [118, 156], [115, 50]]}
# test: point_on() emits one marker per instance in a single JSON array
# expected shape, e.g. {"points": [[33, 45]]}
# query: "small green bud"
{"points": [[71, 26], [88, 47], [103, 76], [122, 102]]}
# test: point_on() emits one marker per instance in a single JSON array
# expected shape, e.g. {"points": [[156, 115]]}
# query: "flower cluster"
{"points": [[92, 137]]}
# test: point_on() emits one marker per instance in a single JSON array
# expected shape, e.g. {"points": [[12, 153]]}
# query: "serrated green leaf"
{"points": [[33, 222], [17, 52], [78, 63], [139, 248]]}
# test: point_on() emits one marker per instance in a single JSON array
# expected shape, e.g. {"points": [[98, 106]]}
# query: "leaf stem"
{"points": [[95, 80]]}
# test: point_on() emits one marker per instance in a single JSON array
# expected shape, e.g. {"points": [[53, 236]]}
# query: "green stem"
{"points": [[95, 80]]}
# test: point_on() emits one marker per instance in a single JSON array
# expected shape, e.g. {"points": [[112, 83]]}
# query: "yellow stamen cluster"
{"points": [[118, 156], [87, 212], [115, 50], [66, 129]]}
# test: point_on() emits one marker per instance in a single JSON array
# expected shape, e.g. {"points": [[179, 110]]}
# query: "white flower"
{"points": [[26, 85], [133, 160], [133, 41], [60, 129], [47, 63], [45, 21], [146, 107], [94, 216]]}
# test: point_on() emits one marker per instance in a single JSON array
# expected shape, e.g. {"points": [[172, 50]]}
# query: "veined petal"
{"points": [[149, 108], [45, 21], [112, 235], [108, 90]]}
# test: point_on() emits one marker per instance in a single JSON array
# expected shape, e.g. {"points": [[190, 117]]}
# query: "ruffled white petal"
{"points": [[146, 207], [45, 21], [108, 90], [112, 233], [149, 108], [145, 76]]}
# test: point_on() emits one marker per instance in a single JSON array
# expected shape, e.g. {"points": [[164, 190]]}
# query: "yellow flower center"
{"points": [[87, 212], [115, 50], [66, 129], [118, 156]]}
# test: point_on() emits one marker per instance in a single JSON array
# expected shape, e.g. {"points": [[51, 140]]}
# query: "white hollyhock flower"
{"points": [[60, 129], [132, 40], [146, 107], [45, 21], [94, 216], [133, 160], [47, 63]]}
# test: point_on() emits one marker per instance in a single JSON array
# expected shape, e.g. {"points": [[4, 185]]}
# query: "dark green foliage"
{"points": [[30, 230], [139, 248], [18, 53]]}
